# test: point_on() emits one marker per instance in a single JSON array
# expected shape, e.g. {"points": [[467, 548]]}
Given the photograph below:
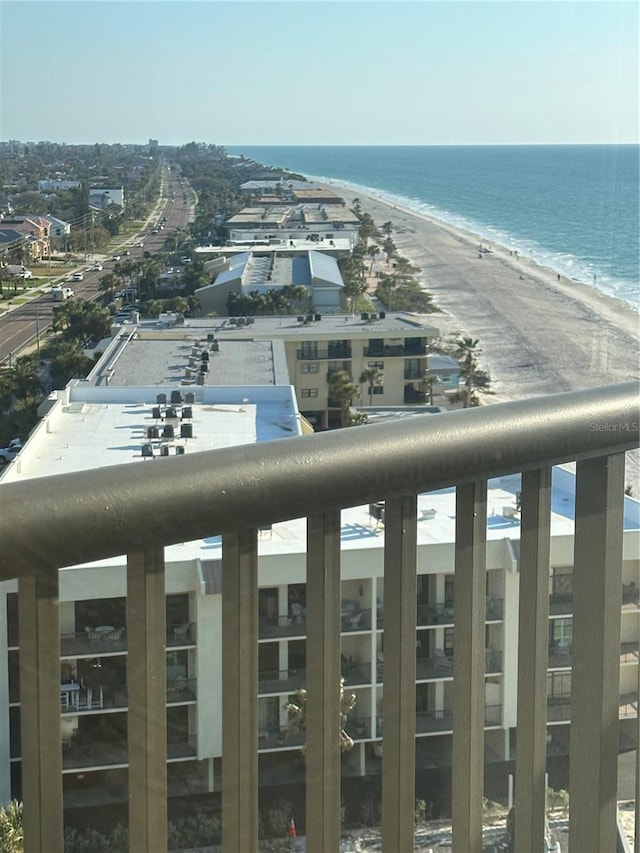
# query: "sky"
{"points": [[320, 72]]}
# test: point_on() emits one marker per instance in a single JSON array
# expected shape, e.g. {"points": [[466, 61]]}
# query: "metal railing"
{"points": [[94, 515]]}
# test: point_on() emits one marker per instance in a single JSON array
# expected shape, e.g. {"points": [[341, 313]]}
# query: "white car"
{"points": [[140, 244], [97, 267], [77, 276], [115, 258]]}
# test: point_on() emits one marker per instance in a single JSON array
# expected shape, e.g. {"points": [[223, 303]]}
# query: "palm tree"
{"points": [[427, 383], [107, 284], [466, 352], [342, 390], [387, 228], [26, 380], [372, 251], [373, 377]]}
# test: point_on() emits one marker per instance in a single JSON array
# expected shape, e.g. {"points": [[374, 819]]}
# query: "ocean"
{"points": [[573, 208]]}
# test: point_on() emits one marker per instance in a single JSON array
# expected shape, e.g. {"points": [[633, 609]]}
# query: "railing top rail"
{"points": [[50, 522]]}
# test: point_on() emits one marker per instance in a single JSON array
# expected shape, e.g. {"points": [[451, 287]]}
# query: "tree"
{"points": [[342, 390], [11, 828], [466, 351], [107, 285], [389, 247], [372, 251], [68, 362], [76, 319], [26, 380], [387, 228], [297, 715], [373, 377]]}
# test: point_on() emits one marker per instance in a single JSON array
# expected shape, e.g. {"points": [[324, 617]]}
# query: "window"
{"points": [[562, 580], [559, 685], [378, 389], [376, 365], [309, 392], [308, 349], [310, 367]]}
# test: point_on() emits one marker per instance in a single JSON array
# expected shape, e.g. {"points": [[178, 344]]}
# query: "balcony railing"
{"points": [[322, 354], [76, 755], [442, 613], [390, 350], [96, 515]]}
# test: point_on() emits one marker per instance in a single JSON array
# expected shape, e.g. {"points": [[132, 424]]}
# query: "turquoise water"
{"points": [[574, 208]]}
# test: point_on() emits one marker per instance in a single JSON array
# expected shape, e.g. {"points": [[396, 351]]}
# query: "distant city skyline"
{"points": [[316, 72]]}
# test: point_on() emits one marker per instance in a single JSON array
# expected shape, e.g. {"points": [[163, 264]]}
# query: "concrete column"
{"points": [[468, 668], [147, 697], [5, 728], [399, 687], [40, 713], [240, 692], [531, 733], [323, 683], [597, 590]]}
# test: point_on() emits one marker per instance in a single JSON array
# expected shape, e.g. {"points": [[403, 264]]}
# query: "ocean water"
{"points": [[574, 208]]}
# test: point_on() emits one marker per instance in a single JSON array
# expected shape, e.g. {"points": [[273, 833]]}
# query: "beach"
{"points": [[537, 334]]}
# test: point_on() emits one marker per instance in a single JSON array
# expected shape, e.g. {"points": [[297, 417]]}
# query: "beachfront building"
{"points": [[422, 564], [289, 222], [313, 346], [249, 272], [144, 425]]}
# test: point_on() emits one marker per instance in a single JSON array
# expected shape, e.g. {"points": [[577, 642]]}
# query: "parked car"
{"points": [[10, 451]]}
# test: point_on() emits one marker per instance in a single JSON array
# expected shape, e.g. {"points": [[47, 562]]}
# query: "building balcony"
{"points": [[323, 354], [115, 697], [105, 640], [443, 613], [391, 350], [100, 514], [77, 756]]}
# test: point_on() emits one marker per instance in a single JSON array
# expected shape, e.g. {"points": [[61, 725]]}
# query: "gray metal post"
{"points": [[240, 693], [533, 634], [595, 686], [468, 666], [40, 713], [323, 683], [147, 698], [399, 690]]}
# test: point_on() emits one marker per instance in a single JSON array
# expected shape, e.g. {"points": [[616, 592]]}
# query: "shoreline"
{"points": [[403, 205], [537, 334]]}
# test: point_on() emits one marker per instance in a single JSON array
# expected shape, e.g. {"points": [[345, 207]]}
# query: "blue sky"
{"points": [[308, 72]]}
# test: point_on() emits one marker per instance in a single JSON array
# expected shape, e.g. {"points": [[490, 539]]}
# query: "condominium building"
{"points": [[92, 424]]}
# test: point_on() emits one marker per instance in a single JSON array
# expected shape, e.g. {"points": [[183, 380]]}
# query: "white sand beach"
{"points": [[537, 334]]}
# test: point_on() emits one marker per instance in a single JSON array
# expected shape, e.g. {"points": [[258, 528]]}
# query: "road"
{"points": [[23, 325]]}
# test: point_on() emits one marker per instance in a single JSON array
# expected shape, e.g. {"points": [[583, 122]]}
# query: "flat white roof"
{"points": [[93, 427]]}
